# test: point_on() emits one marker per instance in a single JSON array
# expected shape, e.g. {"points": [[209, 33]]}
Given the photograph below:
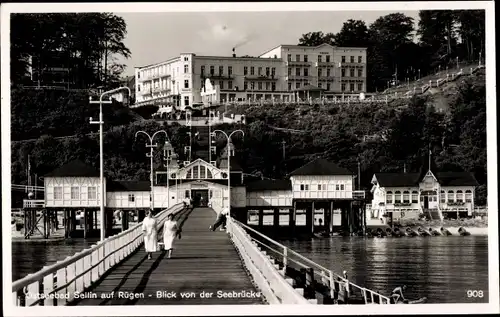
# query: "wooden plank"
{"points": [[202, 262]]}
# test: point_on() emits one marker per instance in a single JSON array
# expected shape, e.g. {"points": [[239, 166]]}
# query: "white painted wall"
{"points": [[141, 199], [269, 198], [331, 186], [64, 185]]}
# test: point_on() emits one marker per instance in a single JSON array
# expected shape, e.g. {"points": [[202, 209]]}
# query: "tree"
{"points": [[354, 33], [471, 29], [316, 38]]}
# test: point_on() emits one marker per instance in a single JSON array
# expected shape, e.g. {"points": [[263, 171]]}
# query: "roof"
{"points": [[128, 186], [456, 179], [75, 168], [268, 184], [413, 179], [320, 167], [310, 88]]}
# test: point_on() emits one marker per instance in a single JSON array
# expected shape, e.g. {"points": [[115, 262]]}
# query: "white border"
{"points": [[491, 307]]}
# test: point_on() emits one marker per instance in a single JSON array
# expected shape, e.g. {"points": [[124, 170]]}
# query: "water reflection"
{"points": [[440, 268]]}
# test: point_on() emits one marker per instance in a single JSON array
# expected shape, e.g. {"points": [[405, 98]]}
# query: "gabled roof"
{"points": [[320, 167], [268, 184], [75, 168], [128, 186]]}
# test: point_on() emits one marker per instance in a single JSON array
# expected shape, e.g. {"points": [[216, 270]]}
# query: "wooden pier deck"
{"points": [[202, 262]]}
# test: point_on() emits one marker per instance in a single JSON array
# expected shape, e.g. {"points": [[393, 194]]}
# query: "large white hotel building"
{"points": [[278, 74]]}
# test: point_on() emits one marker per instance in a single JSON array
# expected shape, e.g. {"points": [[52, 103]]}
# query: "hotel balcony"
{"points": [[260, 77], [355, 65], [298, 63], [300, 78], [151, 77], [325, 64], [217, 76], [323, 78]]}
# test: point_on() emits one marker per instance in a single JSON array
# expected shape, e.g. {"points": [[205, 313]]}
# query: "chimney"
{"points": [[234, 54]]}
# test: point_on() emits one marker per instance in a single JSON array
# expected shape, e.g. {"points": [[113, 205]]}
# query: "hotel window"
{"points": [[211, 194], [320, 58], [186, 100], [388, 197], [297, 58], [305, 58], [221, 84], [289, 57], [360, 72], [230, 70], [443, 196], [252, 70], [75, 192], [212, 70], [468, 196], [268, 85], [131, 198], [245, 70], [245, 85], [343, 59], [273, 86], [352, 59], [343, 87], [320, 85], [273, 71], [221, 70], [352, 72], [451, 196], [252, 85], [343, 72], [302, 187], [328, 58], [138, 87], [209, 174], [196, 173], [360, 87], [259, 71], [351, 86], [186, 83], [186, 194], [289, 86], [328, 72], [268, 71], [139, 75], [328, 87], [460, 196], [230, 84], [337, 187], [406, 197], [186, 58], [306, 72], [92, 192], [297, 71], [320, 72], [289, 71], [397, 197], [58, 193], [360, 59], [260, 85], [414, 197], [186, 69], [342, 187], [297, 85]]}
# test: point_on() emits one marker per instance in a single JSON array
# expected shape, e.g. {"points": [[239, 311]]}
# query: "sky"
{"points": [[156, 37]]}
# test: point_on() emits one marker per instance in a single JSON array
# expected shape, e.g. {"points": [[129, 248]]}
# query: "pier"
{"points": [[236, 266]]}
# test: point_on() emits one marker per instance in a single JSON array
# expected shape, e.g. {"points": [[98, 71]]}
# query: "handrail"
{"points": [[67, 274], [306, 262]]}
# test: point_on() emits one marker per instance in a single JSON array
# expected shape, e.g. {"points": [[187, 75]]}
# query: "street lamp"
{"points": [[100, 122], [169, 156], [151, 146], [230, 147]]}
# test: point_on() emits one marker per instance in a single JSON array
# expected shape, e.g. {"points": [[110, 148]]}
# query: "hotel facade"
{"points": [[278, 74]]}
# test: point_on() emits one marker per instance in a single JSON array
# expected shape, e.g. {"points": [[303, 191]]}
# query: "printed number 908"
{"points": [[475, 294]]}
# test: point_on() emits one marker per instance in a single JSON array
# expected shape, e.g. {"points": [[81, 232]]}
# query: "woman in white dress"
{"points": [[170, 231], [150, 230]]}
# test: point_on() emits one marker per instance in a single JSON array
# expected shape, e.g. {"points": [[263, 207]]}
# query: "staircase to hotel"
{"points": [[201, 143], [433, 214]]}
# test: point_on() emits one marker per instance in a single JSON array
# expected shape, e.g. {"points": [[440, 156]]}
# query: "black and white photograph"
{"points": [[267, 157]]}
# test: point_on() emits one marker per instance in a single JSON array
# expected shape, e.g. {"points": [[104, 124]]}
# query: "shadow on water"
{"points": [[440, 268]]}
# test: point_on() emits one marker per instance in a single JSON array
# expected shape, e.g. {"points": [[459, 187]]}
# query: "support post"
{"points": [[44, 215], [261, 218], [309, 218], [276, 218], [85, 223]]}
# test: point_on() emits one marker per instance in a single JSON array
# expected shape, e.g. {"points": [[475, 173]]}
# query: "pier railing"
{"points": [[340, 287], [56, 285]]}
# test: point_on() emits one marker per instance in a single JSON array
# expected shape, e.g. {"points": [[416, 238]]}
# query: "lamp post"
{"points": [[229, 145], [100, 122], [169, 157], [151, 146]]}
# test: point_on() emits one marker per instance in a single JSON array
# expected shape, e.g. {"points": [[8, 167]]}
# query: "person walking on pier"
{"points": [[397, 294], [221, 220], [150, 230], [170, 231]]}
